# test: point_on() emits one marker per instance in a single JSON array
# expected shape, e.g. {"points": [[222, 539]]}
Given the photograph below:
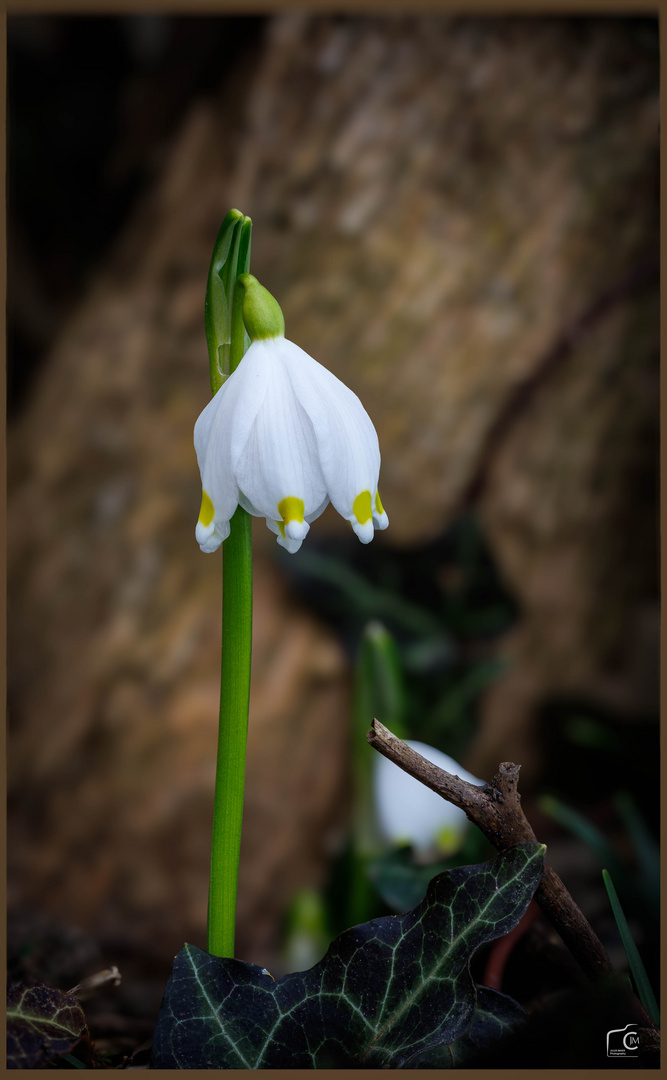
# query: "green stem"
{"points": [[232, 734], [236, 630]]}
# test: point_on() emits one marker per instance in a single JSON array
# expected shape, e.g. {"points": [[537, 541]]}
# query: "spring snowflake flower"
{"points": [[283, 437], [409, 812]]}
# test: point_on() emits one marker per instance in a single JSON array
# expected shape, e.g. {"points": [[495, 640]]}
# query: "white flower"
{"points": [[284, 437], [409, 812]]}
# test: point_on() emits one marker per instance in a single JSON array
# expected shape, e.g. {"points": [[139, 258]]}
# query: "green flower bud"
{"points": [[261, 312]]}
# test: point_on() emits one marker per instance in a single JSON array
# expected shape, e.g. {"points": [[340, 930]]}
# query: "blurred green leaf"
{"points": [[306, 937], [580, 827], [380, 685], [370, 601], [637, 893], [478, 606], [402, 883], [475, 847], [399, 881], [427, 654], [584, 731], [645, 847], [644, 989], [452, 708], [74, 1061], [379, 691]]}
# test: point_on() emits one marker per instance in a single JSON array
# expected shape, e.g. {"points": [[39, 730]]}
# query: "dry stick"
{"points": [[496, 810]]}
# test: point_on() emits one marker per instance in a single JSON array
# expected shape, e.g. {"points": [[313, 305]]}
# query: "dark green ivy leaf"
{"points": [[42, 1024], [386, 990], [496, 1016]]}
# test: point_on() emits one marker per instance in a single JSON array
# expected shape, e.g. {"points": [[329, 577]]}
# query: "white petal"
{"points": [[247, 505], [363, 530], [209, 537], [408, 811], [292, 546], [216, 478], [297, 530], [347, 443], [280, 459], [221, 433], [310, 518], [380, 519], [285, 541]]}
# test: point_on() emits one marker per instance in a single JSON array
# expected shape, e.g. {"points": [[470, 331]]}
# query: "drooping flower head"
{"points": [[283, 437], [409, 812]]}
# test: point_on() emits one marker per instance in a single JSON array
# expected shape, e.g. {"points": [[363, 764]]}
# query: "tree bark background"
{"points": [[459, 218]]}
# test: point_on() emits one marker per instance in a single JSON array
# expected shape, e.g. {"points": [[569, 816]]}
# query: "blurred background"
{"points": [[459, 218]]}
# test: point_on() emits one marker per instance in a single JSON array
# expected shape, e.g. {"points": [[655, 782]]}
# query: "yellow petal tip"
{"points": [[206, 510], [291, 509], [361, 507]]}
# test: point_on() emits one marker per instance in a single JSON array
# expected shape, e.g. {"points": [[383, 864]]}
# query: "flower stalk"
{"points": [[280, 439], [227, 343]]}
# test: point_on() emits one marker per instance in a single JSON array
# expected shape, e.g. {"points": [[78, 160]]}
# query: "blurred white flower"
{"points": [[409, 812], [283, 437]]}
